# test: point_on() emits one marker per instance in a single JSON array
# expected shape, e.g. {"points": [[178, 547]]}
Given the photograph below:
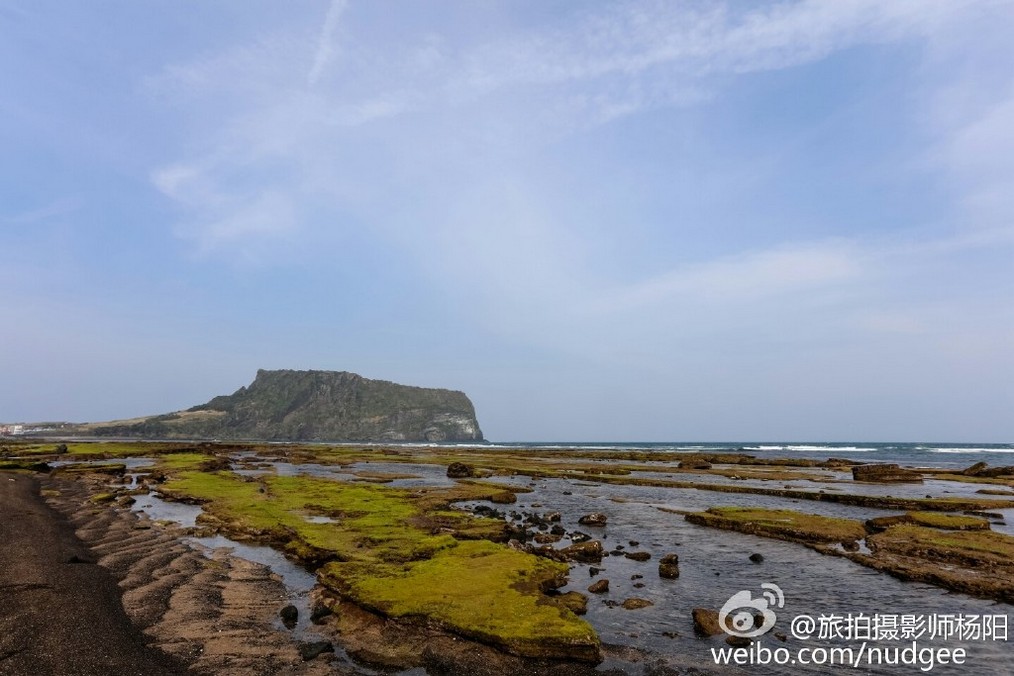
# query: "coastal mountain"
{"points": [[313, 406]]}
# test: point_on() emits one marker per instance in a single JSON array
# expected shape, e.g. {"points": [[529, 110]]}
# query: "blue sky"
{"points": [[603, 221]]}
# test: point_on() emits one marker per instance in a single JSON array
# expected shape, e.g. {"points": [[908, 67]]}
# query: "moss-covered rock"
{"points": [[784, 524]]}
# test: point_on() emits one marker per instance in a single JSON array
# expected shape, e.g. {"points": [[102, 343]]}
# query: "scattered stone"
{"points": [[459, 470], [547, 538], [587, 552], [738, 641], [593, 519], [578, 536], [850, 546], [633, 543], [668, 566], [638, 556], [599, 587], [319, 611], [780, 636], [636, 604], [636, 577], [289, 615], [313, 649], [573, 601], [554, 516], [706, 622], [638, 585], [757, 557], [593, 571]]}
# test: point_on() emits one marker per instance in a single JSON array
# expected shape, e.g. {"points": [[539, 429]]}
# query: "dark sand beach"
{"points": [[61, 613], [90, 590]]}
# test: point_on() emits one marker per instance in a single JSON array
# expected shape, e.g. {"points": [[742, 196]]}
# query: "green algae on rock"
{"points": [[479, 590], [402, 553], [780, 523]]}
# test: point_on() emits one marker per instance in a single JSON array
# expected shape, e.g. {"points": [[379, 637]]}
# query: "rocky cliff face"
{"points": [[319, 406]]}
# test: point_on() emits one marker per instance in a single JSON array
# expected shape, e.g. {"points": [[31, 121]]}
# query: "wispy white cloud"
{"points": [[597, 66], [743, 278], [421, 141], [325, 43], [56, 209]]}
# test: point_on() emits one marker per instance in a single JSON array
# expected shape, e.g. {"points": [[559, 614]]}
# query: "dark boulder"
{"points": [[885, 473], [757, 557], [975, 469], [459, 470], [586, 552], [289, 615], [636, 604], [312, 649], [668, 566], [593, 519], [706, 622]]}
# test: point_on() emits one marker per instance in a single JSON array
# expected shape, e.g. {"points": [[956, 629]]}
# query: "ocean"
{"points": [[916, 454]]}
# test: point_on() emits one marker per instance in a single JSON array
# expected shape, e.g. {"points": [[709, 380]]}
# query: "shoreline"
{"points": [[61, 612], [151, 560]]}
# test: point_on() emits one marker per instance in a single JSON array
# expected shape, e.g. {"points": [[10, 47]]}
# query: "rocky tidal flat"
{"points": [[490, 560]]}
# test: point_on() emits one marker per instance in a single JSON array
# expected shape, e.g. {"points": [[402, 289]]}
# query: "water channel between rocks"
{"points": [[714, 565]]}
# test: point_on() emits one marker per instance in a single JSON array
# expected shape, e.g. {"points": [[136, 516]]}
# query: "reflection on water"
{"points": [[298, 582], [158, 509], [714, 565]]}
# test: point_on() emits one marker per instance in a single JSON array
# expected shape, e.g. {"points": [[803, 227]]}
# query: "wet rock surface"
{"points": [[459, 470], [212, 615], [668, 566], [706, 622], [885, 473]]}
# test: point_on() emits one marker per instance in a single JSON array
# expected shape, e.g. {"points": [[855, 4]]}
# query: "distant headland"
{"points": [[286, 405]]}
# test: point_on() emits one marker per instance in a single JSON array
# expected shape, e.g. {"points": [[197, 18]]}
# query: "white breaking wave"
{"points": [[971, 450], [821, 449]]}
